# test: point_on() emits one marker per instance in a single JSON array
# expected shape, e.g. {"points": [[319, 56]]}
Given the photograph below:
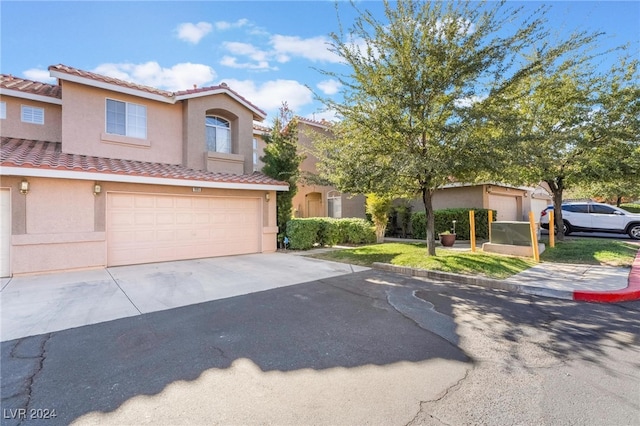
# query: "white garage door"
{"points": [[143, 228], [506, 206], [5, 232]]}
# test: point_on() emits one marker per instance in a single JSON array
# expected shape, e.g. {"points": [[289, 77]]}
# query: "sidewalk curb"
{"points": [[477, 281], [632, 292]]}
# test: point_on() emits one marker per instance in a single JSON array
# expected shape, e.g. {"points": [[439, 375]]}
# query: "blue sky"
{"points": [[265, 50]]}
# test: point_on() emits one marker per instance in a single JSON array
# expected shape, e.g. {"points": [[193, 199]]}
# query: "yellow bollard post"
{"points": [[490, 220], [552, 233], [534, 237], [472, 229]]}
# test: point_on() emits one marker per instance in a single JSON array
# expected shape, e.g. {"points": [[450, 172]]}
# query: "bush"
{"points": [[304, 234], [444, 222], [631, 207]]}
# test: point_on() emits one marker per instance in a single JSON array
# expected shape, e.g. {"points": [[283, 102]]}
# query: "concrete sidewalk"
{"points": [[591, 283], [37, 304]]}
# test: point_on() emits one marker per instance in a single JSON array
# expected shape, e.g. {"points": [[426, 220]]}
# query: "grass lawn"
{"points": [[414, 255], [593, 251], [581, 251]]}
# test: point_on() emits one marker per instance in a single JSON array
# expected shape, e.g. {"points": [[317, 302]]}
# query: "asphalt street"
{"points": [[363, 348]]}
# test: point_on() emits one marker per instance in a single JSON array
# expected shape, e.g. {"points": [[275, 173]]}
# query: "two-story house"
{"points": [[97, 172], [317, 199]]}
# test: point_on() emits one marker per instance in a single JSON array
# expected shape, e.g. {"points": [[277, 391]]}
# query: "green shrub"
{"points": [[419, 225], [304, 234], [356, 231], [630, 207], [444, 222], [329, 233]]}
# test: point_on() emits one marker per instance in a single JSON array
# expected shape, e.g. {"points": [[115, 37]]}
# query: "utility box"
{"points": [[512, 238], [512, 233]]}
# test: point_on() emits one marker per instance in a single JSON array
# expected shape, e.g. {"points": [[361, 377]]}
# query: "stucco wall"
{"points": [[13, 126], [60, 223], [241, 119], [84, 127]]}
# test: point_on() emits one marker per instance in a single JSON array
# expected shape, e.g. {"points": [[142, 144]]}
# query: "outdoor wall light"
{"points": [[24, 187], [97, 188], [267, 196]]}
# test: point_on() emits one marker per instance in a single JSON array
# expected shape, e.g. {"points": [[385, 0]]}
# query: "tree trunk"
{"points": [[618, 201], [427, 195], [557, 188], [380, 230]]}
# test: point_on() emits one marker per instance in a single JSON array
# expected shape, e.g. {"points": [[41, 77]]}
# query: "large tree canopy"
{"points": [[570, 125], [411, 96]]}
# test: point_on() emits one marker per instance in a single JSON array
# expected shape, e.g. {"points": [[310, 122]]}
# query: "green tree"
{"points": [[282, 161], [378, 206], [570, 126], [414, 84]]}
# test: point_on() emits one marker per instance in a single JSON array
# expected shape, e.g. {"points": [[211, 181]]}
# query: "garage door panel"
{"points": [[145, 228], [141, 201], [506, 206]]}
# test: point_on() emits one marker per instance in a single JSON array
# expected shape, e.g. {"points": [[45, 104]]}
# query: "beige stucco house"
{"points": [[510, 202], [317, 200], [100, 172]]}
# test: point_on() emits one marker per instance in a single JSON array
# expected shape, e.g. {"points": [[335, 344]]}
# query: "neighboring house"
{"points": [[318, 200], [510, 202], [99, 172]]}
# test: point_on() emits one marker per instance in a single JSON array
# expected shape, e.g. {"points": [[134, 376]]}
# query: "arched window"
{"points": [[218, 134]]}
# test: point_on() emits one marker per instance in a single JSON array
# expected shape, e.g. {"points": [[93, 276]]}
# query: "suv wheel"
{"points": [[566, 227], [634, 231]]}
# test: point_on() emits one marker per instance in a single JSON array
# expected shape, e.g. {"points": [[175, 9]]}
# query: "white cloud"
{"points": [[193, 33], [231, 62], [270, 95], [224, 25], [315, 49], [246, 49], [329, 87], [179, 77], [40, 75]]}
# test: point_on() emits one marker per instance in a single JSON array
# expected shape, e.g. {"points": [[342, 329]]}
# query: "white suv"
{"points": [[595, 217]]}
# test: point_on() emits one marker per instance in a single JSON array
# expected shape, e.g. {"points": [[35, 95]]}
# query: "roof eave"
{"points": [[124, 178], [258, 114], [30, 96], [110, 86]]}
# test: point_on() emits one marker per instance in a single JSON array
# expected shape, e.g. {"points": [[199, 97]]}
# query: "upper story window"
{"points": [[218, 134], [126, 119], [3, 110], [33, 115], [255, 154]]}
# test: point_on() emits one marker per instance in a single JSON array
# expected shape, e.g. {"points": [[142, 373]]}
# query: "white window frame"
{"points": [[255, 154], [130, 113], [32, 115], [225, 149], [334, 204], [3, 110]]}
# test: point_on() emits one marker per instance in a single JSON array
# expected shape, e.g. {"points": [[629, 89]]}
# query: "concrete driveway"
{"points": [[33, 305]]}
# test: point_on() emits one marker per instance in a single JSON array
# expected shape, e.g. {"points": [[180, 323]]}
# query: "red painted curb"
{"points": [[632, 292]]}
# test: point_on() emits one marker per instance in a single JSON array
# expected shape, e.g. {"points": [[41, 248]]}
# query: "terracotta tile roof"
{"points": [[97, 77], [28, 86], [322, 123], [170, 95], [49, 155]]}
